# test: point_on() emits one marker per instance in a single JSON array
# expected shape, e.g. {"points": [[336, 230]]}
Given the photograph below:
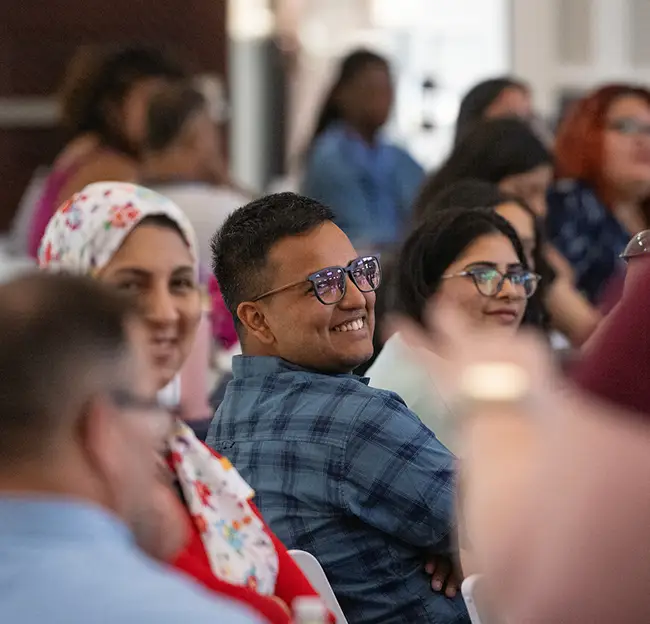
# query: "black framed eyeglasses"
{"points": [[629, 126], [330, 284], [489, 281]]}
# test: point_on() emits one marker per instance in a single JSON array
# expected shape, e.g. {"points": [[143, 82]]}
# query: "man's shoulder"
{"points": [[115, 586], [306, 395], [346, 390]]}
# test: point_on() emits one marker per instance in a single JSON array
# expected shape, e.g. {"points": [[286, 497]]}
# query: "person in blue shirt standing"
{"points": [[341, 470], [81, 493], [369, 183]]}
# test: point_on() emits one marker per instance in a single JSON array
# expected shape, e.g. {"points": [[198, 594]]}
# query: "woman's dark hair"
{"points": [[169, 111], [493, 150], [165, 222], [100, 76], [434, 245], [479, 98], [351, 66], [469, 194]]}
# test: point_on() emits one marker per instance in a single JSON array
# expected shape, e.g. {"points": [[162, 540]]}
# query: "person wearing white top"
{"points": [[398, 369], [468, 257]]}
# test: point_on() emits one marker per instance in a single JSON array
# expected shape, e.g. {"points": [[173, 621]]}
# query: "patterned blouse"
{"points": [[587, 234]]}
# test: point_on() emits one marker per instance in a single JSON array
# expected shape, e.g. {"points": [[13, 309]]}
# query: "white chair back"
{"points": [[479, 613], [315, 574]]}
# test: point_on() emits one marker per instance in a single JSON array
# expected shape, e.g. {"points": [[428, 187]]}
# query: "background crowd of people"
{"points": [[415, 376]]}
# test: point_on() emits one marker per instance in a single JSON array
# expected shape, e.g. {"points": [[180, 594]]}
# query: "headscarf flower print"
{"points": [[87, 230]]}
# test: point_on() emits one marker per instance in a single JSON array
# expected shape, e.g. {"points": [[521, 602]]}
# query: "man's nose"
{"points": [[354, 298]]}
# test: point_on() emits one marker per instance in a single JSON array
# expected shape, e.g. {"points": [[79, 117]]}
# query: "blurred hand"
{"points": [[444, 576], [451, 343]]}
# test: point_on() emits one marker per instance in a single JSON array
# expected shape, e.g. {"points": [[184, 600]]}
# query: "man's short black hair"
{"points": [[240, 248], [58, 332]]}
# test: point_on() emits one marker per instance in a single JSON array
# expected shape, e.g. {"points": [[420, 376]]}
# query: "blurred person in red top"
{"points": [[614, 366], [601, 196], [142, 244]]}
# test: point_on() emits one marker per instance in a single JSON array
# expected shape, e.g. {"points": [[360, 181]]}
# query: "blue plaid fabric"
{"points": [[587, 234], [349, 474]]}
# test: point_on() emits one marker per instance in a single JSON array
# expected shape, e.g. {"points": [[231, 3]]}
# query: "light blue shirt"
{"points": [[63, 562], [370, 189]]}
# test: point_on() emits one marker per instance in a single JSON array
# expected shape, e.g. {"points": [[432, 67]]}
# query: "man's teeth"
{"points": [[355, 325]]}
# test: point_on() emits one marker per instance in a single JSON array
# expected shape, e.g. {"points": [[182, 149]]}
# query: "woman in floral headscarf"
{"points": [[141, 242]]}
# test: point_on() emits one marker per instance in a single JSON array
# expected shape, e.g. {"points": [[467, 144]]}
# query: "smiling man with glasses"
{"points": [[342, 470]]}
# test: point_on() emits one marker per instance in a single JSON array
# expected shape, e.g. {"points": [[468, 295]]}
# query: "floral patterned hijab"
{"points": [[86, 231], [82, 237]]}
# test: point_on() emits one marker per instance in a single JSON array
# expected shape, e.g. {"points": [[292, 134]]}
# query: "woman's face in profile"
{"points": [[132, 115], [154, 265], [524, 224], [476, 270], [531, 186], [626, 158]]}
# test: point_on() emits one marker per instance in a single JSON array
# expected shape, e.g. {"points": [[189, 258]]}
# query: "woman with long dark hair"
{"points": [[508, 154], [472, 258], [369, 183], [470, 194], [494, 98]]}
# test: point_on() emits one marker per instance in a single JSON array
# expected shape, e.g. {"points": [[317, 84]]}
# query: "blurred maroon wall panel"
{"points": [[38, 37]]}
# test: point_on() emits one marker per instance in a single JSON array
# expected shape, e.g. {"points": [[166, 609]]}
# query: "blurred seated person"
{"points": [[105, 98], [469, 194], [550, 291], [342, 470], [369, 183], [507, 153], [142, 244], [601, 196], [469, 257], [183, 161], [81, 432], [614, 361], [493, 99]]}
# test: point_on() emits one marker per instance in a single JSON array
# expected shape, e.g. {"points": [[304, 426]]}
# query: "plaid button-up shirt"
{"points": [[349, 474]]}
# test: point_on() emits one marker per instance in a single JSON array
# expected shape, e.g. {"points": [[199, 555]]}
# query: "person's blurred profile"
{"points": [[81, 433]]}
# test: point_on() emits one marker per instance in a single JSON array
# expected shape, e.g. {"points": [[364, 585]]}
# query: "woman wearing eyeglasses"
{"points": [[473, 259], [602, 194], [141, 243]]}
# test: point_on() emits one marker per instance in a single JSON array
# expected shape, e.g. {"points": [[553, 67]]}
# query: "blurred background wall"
{"points": [[38, 38], [563, 47], [275, 60]]}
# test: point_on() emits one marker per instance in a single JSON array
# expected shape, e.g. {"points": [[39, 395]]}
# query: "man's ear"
{"points": [[251, 314]]}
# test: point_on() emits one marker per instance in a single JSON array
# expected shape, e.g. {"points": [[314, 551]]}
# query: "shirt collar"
{"points": [[345, 133], [256, 365], [58, 518]]}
